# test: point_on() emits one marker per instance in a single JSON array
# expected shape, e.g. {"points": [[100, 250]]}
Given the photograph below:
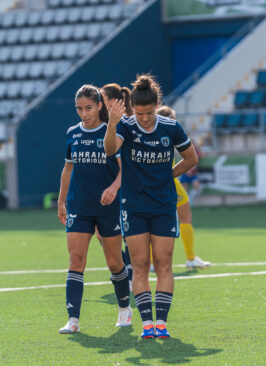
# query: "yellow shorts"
{"points": [[181, 192]]}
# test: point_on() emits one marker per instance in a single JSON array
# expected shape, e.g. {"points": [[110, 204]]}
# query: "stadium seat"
{"points": [[8, 20], [6, 108], [257, 99], [47, 17], [101, 13], [220, 121], [34, 18], [116, 12], [85, 48], [44, 51], [67, 3], [74, 15], [22, 70], [71, 50], [14, 90], [62, 67], [36, 70], [54, 3], [80, 32], [17, 53], [107, 28], [250, 121], [26, 35], [12, 36], [9, 71], [58, 50], [60, 16], [31, 52], [2, 36], [261, 79], [3, 90], [241, 99], [81, 2], [234, 122], [88, 14], [27, 89], [39, 34], [5, 53], [39, 87], [66, 32], [94, 31], [52, 34], [21, 19]]}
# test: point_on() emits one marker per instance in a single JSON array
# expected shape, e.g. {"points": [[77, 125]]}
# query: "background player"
{"points": [[184, 212], [148, 194], [89, 184]]}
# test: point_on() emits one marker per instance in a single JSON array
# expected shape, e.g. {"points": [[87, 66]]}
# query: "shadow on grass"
{"points": [[169, 351]]}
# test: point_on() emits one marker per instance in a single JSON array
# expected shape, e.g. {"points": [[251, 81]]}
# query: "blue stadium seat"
{"points": [[250, 121], [88, 14], [6, 108], [71, 50], [80, 32], [31, 52], [17, 53], [14, 89], [81, 2], [241, 99], [257, 99], [67, 3], [34, 18], [261, 78], [234, 122], [36, 70], [60, 16], [66, 32], [2, 36], [39, 87], [9, 71], [94, 31], [12, 36], [220, 121], [26, 35], [44, 51], [101, 13], [116, 12], [3, 90], [58, 50], [21, 19], [54, 3], [47, 17], [8, 20], [74, 15], [85, 48], [39, 34], [52, 34], [49, 69], [27, 89], [62, 67], [22, 70], [108, 28]]}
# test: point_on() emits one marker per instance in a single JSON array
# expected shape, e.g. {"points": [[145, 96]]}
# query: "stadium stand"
{"points": [[37, 47]]}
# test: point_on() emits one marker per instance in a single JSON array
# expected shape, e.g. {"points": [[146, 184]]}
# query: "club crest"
{"points": [[100, 143], [165, 141]]}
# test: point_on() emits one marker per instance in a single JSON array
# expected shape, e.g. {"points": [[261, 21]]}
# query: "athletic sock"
{"points": [[121, 285], [127, 261], [144, 304], [163, 302], [187, 236], [74, 292]]}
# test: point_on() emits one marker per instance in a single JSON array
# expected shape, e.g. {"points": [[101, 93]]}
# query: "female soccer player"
{"points": [[89, 184], [184, 212], [148, 194]]}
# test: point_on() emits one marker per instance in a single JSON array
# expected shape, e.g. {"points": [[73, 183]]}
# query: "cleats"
{"points": [[161, 332], [148, 332], [124, 317], [72, 326], [197, 262]]}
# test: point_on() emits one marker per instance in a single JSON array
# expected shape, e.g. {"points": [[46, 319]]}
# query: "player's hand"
{"points": [[62, 213], [116, 112], [108, 196]]}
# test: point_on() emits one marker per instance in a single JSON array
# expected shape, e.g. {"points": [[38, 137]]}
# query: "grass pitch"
{"points": [[213, 320]]}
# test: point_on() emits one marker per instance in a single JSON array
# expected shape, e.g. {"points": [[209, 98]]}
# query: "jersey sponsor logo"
{"points": [[165, 141], [96, 157], [77, 135], [150, 157], [87, 142], [100, 143], [117, 227], [75, 142], [151, 143], [137, 140]]}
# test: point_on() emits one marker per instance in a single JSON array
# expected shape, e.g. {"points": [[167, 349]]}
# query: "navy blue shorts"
{"points": [[164, 224], [107, 225]]}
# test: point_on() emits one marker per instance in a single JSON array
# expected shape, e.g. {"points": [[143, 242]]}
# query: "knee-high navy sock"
{"points": [[74, 292], [144, 304], [163, 302], [121, 285]]}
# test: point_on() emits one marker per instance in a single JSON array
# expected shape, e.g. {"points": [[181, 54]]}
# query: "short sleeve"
{"points": [[181, 140], [121, 130]]}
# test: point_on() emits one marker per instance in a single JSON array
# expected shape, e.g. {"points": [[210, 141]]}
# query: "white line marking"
{"points": [[244, 264], [151, 279]]}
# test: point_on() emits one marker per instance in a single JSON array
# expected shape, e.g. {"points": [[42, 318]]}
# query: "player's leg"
{"points": [[112, 247], [139, 248]]}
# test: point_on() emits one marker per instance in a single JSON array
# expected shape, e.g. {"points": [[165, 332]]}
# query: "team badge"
{"points": [[125, 226], [100, 143], [70, 222], [165, 141]]}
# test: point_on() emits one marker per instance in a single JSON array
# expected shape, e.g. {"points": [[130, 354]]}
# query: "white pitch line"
{"points": [[151, 279], [244, 264]]}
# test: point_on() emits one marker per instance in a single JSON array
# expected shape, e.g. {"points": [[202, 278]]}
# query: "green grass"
{"points": [[213, 321]]}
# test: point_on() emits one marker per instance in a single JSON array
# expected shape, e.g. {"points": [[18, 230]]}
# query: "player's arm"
{"points": [[64, 185], [112, 142], [110, 192], [189, 159]]}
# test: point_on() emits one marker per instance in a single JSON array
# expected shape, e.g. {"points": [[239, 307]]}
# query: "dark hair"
{"points": [[91, 92], [166, 111], [145, 91], [126, 96], [115, 91]]}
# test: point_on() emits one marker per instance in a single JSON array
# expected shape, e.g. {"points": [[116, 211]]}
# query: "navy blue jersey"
{"points": [[92, 171], [147, 177]]}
